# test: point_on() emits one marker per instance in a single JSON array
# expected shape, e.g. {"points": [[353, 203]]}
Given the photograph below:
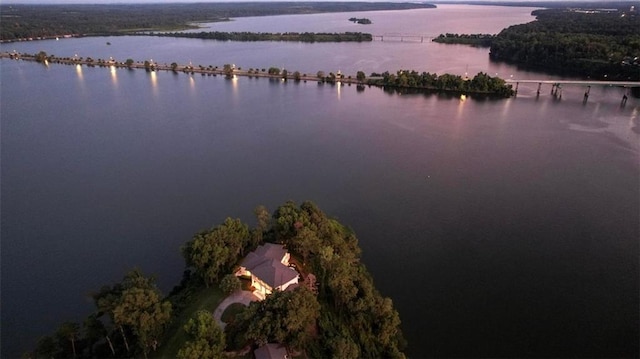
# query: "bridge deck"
{"points": [[574, 82]]}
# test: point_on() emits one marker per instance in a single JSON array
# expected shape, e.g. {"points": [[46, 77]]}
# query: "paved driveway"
{"points": [[240, 296]]}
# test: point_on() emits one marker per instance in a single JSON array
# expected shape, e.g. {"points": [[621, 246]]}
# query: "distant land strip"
{"points": [[266, 36], [402, 80], [32, 22]]}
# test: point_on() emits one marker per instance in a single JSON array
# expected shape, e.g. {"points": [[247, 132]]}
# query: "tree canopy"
{"points": [[206, 339], [591, 43], [337, 314], [481, 83], [213, 253]]}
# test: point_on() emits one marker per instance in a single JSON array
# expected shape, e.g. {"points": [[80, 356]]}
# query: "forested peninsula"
{"points": [[22, 21], [333, 312], [597, 44]]}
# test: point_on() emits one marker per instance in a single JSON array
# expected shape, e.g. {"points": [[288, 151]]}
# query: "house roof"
{"points": [[271, 250], [271, 351], [274, 273], [265, 263], [263, 252]]}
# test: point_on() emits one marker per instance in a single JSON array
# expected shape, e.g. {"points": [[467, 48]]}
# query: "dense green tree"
{"points": [[600, 44], [481, 83], [283, 317], [213, 253], [41, 56], [48, 347], [94, 330], [274, 71], [206, 339], [68, 331], [352, 309], [263, 218], [134, 307], [230, 283], [143, 310], [360, 76]]}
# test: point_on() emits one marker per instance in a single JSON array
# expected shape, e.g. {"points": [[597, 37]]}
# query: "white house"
{"points": [[268, 267]]}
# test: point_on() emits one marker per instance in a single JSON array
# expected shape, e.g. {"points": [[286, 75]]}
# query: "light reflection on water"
{"points": [[79, 72], [154, 82], [114, 75]]}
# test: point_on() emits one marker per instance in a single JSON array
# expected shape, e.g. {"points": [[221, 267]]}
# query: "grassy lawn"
{"points": [[207, 299]]}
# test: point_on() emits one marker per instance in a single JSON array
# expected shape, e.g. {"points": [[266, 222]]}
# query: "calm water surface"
{"points": [[499, 228]]}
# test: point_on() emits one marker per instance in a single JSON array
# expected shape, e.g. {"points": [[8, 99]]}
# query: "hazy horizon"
{"points": [[103, 2]]}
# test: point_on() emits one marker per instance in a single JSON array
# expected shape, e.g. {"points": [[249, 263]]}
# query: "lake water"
{"points": [[498, 228]]}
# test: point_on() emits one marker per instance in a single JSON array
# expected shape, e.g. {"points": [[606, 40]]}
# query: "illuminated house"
{"points": [[268, 267]]}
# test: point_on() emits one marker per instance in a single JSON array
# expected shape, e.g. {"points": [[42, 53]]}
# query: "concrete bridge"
{"points": [[556, 86], [403, 37]]}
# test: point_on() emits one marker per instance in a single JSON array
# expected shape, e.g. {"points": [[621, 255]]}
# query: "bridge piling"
{"points": [[625, 97], [586, 94], [539, 86]]}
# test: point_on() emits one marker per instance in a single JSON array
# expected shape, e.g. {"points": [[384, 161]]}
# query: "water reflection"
{"points": [[154, 82], [79, 72], [460, 111], [505, 110], [192, 83], [114, 76], [235, 88], [459, 118]]}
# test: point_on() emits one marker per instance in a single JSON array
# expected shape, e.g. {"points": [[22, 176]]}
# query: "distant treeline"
{"points": [[481, 40], [21, 21], [551, 4], [479, 84], [265, 36], [598, 44]]}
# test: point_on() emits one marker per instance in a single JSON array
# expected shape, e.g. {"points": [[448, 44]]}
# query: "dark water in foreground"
{"points": [[498, 228]]}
